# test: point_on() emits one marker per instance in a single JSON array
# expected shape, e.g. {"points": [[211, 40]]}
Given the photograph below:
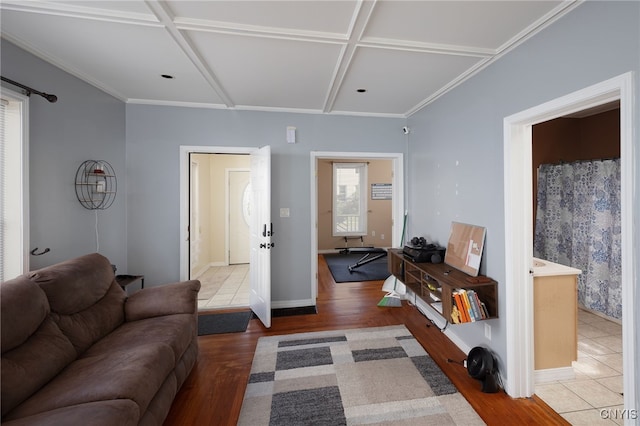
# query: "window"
{"points": [[13, 200], [349, 199]]}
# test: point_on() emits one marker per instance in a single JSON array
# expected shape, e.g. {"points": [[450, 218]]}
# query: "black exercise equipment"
{"points": [[370, 254]]}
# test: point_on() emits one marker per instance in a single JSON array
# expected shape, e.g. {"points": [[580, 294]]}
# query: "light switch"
{"points": [[284, 211]]}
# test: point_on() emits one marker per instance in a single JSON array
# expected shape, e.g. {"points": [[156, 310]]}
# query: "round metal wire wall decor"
{"points": [[96, 185]]}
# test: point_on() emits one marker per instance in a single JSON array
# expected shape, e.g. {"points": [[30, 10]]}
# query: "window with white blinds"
{"points": [[13, 200]]}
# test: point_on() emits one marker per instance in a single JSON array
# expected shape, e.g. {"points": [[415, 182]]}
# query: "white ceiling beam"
{"points": [[359, 21], [160, 9]]}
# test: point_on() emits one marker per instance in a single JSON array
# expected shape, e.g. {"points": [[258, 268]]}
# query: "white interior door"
{"points": [[261, 230], [240, 207]]}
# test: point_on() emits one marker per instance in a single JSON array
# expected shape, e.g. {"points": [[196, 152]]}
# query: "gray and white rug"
{"points": [[379, 375]]}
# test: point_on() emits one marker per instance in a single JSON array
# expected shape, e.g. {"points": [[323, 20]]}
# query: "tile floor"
{"points": [[598, 382], [224, 287]]}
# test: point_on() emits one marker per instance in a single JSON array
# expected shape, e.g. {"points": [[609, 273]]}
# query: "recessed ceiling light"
{"points": [[361, 90], [167, 76]]}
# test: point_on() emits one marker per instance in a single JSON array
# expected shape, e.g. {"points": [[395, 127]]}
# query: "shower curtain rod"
{"points": [[584, 161], [29, 90]]}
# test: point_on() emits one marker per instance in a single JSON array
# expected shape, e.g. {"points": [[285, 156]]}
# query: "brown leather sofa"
{"points": [[77, 350]]}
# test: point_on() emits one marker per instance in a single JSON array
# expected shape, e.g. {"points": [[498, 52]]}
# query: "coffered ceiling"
{"points": [[302, 55]]}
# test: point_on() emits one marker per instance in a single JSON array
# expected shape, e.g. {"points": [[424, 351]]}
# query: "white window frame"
{"points": [[15, 169], [362, 218]]}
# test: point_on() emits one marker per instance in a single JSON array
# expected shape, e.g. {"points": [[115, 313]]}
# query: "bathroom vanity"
{"points": [[555, 319]]}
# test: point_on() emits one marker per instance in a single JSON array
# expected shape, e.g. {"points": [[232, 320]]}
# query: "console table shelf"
{"points": [[435, 283]]}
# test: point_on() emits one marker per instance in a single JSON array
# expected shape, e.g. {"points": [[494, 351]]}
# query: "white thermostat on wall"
{"points": [[291, 134]]}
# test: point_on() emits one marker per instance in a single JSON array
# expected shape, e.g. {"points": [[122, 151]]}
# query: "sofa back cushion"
{"points": [[86, 302], [34, 350]]}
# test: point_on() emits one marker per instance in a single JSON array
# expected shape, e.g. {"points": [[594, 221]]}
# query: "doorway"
{"points": [[518, 226], [397, 191], [202, 193], [219, 225], [563, 149]]}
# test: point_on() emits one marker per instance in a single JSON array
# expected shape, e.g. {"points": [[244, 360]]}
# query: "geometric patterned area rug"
{"points": [[378, 375]]}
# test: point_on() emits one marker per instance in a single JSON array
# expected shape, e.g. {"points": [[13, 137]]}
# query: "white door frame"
{"points": [[184, 194], [519, 225], [397, 209]]}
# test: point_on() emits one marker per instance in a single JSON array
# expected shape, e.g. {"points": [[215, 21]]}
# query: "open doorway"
{"points": [[219, 205], [576, 161], [394, 186], [519, 236]]}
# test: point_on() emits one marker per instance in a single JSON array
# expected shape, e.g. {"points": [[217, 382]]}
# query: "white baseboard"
{"points": [[282, 304], [553, 374]]}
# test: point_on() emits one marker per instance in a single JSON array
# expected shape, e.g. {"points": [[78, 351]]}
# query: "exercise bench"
{"points": [[370, 254]]}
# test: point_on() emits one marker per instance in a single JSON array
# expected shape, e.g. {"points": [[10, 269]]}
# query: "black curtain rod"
{"points": [[29, 90]]}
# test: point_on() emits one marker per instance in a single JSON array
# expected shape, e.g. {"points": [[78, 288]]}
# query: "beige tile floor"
{"points": [[594, 395], [224, 287]]}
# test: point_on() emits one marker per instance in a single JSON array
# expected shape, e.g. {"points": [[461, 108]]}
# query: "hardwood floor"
{"points": [[212, 394]]}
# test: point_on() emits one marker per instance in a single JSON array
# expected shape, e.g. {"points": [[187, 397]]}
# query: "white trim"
{"points": [[397, 209], [519, 239], [553, 374], [25, 242], [185, 150], [283, 304]]}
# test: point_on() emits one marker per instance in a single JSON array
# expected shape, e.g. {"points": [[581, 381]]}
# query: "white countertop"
{"points": [[545, 268]]}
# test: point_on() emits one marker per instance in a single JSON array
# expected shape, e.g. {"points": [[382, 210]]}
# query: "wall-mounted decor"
{"points": [[96, 185]]}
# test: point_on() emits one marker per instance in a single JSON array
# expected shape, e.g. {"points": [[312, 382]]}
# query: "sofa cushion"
{"points": [[121, 412], [87, 326], [34, 349], [134, 374], [76, 284], [174, 298], [30, 366], [175, 331], [23, 308]]}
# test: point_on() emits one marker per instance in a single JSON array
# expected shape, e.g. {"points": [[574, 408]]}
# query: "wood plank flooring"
{"points": [[212, 394]]}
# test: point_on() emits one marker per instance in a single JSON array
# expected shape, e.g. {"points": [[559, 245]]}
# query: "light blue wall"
{"points": [[154, 135], [84, 124], [456, 145]]}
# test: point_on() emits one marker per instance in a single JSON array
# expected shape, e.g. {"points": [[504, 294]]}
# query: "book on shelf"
{"points": [[462, 304], [469, 307], [475, 306]]}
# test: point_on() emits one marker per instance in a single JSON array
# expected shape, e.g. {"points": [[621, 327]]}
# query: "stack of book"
{"points": [[467, 307]]}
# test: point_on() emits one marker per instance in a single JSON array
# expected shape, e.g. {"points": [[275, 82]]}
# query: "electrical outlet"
{"points": [[373, 233], [382, 236], [487, 331]]}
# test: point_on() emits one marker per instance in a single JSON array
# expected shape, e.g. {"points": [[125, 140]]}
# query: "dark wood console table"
{"points": [[437, 283]]}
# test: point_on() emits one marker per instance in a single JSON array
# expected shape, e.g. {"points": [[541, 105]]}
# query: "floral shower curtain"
{"points": [[578, 224]]}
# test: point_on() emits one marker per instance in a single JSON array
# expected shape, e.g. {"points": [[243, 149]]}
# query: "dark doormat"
{"points": [[229, 322], [339, 267], [287, 312]]}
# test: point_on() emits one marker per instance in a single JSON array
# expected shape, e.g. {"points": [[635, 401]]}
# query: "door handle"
{"points": [[264, 230]]}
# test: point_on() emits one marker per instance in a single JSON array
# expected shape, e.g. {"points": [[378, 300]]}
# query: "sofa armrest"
{"points": [[169, 299]]}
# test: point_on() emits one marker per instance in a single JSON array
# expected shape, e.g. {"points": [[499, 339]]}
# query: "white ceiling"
{"points": [[305, 56]]}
